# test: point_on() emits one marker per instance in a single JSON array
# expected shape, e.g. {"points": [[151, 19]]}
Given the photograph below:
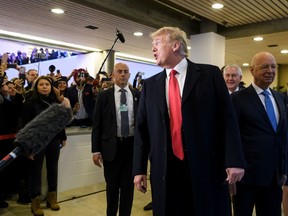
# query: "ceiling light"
{"points": [[258, 38], [138, 34], [284, 51], [217, 6], [245, 64], [188, 47], [57, 10]]}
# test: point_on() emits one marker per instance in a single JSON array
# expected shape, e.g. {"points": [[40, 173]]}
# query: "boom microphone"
{"points": [[39, 132], [120, 36]]}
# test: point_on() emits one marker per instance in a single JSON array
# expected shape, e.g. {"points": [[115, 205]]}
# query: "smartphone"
{"points": [[11, 66], [22, 70], [55, 84], [22, 75]]}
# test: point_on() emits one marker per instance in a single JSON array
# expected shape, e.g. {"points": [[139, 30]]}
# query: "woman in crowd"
{"points": [[43, 95]]}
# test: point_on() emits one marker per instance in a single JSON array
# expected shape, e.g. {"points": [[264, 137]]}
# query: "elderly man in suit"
{"points": [[112, 145], [262, 118], [232, 74], [191, 137]]}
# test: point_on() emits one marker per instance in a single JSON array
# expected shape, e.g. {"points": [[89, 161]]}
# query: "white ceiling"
{"points": [[33, 17]]}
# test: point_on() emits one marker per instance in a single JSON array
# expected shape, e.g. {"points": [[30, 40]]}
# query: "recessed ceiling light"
{"points": [[138, 34], [217, 6], [284, 51], [57, 10], [245, 64], [188, 47], [258, 38]]}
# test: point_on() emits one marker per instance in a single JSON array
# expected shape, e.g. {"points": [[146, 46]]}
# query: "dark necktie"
{"points": [[270, 109], [175, 115], [124, 114]]}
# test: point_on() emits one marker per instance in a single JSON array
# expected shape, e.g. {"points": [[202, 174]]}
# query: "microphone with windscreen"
{"points": [[39, 132], [121, 38]]}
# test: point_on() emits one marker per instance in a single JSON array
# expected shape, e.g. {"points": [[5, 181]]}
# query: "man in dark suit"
{"points": [[110, 145], [264, 147], [196, 184]]}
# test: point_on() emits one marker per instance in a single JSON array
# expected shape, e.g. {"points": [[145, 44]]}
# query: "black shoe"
{"points": [[148, 207], [24, 200], [3, 204]]}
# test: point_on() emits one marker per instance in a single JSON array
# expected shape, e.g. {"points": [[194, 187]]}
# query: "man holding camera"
{"points": [[82, 99]]}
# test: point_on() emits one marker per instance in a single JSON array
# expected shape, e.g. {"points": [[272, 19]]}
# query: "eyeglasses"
{"points": [[267, 66]]}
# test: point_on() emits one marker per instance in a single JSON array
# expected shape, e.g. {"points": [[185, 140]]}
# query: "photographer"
{"points": [[81, 98]]}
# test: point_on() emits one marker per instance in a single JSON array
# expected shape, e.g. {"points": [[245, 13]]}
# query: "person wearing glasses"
{"points": [[262, 119], [232, 75]]}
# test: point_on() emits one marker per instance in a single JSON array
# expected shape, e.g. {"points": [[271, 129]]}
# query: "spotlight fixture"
{"points": [[217, 6], [138, 34], [57, 10], [258, 38]]}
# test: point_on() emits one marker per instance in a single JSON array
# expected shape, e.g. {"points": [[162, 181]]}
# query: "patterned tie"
{"points": [[124, 114], [270, 109], [175, 115]]}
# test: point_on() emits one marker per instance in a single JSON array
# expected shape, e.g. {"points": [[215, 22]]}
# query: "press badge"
{"points": [[123, 108]]}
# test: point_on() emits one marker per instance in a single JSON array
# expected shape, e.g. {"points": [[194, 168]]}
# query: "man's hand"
{"points": [[140, 182], [234, 174], [97, 159]]}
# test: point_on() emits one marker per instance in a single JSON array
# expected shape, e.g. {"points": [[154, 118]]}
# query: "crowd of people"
{"points": [[19, 105], [37, 55], [213, 145]]}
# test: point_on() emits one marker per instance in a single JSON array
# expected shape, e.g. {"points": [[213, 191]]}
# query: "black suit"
{"points": [[210, 137], [264, 152], [117, 154]]}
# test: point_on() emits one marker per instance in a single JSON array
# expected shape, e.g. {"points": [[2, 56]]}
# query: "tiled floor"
{"points": [[80, 202]]}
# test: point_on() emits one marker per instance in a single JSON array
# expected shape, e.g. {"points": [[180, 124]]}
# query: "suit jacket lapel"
{"points": [[111, 100], [192, 76], [281, 108], [159, 87], [255, 100]]}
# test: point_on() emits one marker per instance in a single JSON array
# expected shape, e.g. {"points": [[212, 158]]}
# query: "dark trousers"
{"points": [[119, 180], [266, 199], [51, 152]]}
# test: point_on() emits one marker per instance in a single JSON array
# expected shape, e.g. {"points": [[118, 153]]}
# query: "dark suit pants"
{"points": [[267, 200], [118, 177]]}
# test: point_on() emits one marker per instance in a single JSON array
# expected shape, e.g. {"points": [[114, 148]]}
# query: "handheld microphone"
{"points": [[39, 132], [120, 36]]}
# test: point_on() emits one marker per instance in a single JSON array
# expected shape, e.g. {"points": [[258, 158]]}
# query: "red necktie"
{"points": [[175, 115]]}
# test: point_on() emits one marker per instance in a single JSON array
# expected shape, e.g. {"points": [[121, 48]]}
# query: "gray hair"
{"points": [[239, 70]]}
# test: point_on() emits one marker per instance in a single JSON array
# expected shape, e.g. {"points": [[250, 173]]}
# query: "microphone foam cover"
{"points": [[43, 128]]}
